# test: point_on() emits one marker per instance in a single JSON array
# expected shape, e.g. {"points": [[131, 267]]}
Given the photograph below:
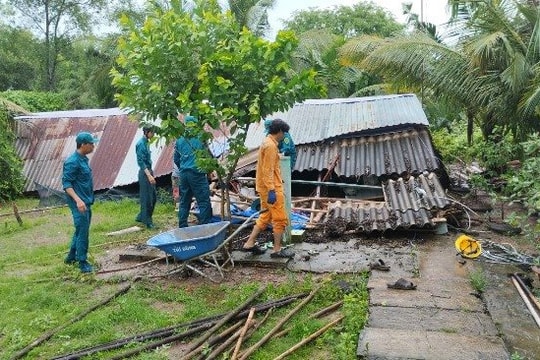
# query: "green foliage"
{"points": [[88, 62], [488, 69], [451, 142], [495, 153], [35, 101], [348, 21], [55, 21], [11, 179], [202, 64], [19, 66], [323, 32], [252, 14], [522, 184]]}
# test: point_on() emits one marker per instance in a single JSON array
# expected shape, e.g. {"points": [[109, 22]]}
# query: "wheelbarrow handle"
{"points": [[245, 223]]}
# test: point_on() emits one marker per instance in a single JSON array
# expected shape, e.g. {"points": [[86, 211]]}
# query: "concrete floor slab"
{"points": [[442, 296], [397, 344], [431, 319]]}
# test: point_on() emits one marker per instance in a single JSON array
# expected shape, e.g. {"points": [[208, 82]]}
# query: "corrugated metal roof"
{"points": [[397, 153], [420, 192], [376, 217], [408, 202], [316, 120], [49, 138]]}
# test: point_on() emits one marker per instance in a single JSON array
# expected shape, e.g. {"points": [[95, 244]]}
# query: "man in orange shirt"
{"points": [[269, 185]]}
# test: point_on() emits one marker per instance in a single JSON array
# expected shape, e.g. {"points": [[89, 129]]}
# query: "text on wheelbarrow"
{"points": [[184, 248]]}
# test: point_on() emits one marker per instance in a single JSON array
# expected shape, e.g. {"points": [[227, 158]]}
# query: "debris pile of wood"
{"points": [[223, 335]]}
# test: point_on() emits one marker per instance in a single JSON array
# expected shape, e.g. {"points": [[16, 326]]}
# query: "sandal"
{"points": [[283, 253], [402, 284], [255, 250], [379, 265]]}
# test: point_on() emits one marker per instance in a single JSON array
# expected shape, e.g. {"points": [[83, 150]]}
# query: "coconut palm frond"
{"points": [[375, 89], [354, 51], [529, 104], [517, 76], [420, 60], [485, 49], [533, 49]]}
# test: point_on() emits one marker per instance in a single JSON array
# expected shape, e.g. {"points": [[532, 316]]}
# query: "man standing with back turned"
{"points": [[147, 182], [79, 187], [269, 185], [193, 181]]}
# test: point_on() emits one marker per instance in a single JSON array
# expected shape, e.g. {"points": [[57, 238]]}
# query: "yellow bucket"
{"points": [[468, 247]]}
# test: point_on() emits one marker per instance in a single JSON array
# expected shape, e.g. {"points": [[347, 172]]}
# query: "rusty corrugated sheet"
{"points": [[46, 139], [317, 120], [110, 153]]}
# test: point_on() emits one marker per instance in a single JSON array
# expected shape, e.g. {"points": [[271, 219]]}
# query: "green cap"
{"points": [[85, 138]]}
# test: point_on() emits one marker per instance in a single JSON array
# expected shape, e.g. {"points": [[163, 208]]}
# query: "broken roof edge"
{"points": [[355, 99], [84, 113]]}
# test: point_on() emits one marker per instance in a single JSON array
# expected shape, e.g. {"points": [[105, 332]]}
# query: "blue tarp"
{"points": [[298, 220]]}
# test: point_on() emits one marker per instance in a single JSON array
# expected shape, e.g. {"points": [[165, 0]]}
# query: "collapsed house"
{"points": [[354, 145], [375, 152]]}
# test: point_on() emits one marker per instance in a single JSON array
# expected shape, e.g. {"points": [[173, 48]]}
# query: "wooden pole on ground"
{"points": [[242, 334], [50, 333], [232, 314], [308, 339], [278, 326]]}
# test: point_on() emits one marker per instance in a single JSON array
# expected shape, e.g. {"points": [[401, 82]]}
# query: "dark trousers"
{"points": [[194, 184], [147, 198], [78, 249]]}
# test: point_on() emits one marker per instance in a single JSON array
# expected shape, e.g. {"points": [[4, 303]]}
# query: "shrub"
{"points": [[35, 101]]}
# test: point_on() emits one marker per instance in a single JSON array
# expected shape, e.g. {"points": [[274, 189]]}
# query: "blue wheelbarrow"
{"points": [[201, 243]]}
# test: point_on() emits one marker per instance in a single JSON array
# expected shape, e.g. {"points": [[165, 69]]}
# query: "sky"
{"points": [[434, 11]]}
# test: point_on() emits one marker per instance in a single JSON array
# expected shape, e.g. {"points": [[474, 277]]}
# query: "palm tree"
{"points": [[491, 70], [252, 14], [322, 32]]}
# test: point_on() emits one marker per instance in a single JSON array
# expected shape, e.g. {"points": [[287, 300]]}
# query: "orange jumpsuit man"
{"points": [[269, 185]]}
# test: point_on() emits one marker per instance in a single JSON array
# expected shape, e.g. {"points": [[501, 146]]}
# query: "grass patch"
{"points": [[39, 293], [478, 280]]}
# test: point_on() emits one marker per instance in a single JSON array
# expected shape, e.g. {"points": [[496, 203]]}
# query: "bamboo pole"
{"points": [[317, 315], [158, 343], [16, 213], [310, 210], [309, 338], [242, 334], [133, 266], [29, 211], [226, 334], [50, 333], [278, 326], [256, 325], [230, 341], [232, 314]]}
